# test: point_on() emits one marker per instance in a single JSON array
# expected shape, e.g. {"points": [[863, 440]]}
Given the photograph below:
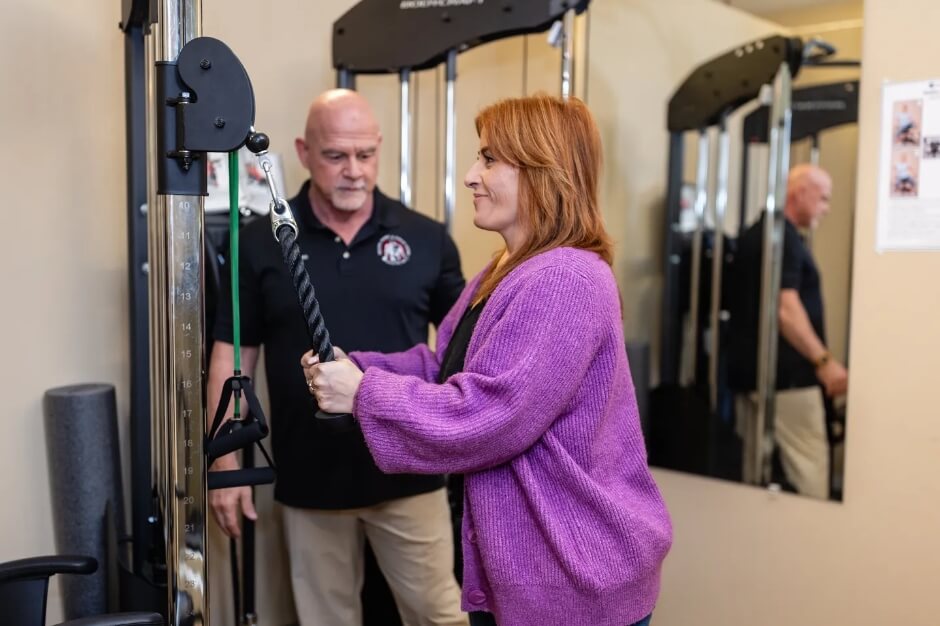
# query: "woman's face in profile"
{"points": [[495, 186]]}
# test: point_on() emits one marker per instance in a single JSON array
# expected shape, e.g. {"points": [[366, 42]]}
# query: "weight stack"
{"points": [[83, 452]]}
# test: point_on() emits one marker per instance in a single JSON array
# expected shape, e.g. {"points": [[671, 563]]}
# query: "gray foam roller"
{"points": [[83, 451]]}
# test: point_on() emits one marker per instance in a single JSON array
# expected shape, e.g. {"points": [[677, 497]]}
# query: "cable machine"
{"points": [[187, 95]]}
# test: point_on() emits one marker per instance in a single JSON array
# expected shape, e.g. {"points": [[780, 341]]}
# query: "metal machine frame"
{"points": [[187, 95]]}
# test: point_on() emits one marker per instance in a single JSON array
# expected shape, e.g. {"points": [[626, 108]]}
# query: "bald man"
{"points": [[805, 369], [382, 274]]}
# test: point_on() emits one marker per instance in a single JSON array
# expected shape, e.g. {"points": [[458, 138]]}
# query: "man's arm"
{"points": [[227, 504], [797, 329]]}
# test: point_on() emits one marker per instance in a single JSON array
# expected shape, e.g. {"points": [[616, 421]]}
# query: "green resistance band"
{"points": [[233, 263]]}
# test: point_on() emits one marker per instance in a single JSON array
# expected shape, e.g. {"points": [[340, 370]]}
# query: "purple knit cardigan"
{"points": [[563, 523]]}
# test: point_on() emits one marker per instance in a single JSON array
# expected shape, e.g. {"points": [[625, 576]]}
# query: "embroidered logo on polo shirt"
{"points": [[393, 250]]}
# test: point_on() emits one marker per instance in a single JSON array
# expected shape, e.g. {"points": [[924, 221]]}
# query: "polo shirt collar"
{"points": [[384, 211]]}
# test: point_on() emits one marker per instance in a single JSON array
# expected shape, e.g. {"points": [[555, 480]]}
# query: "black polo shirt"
{"points": [[798, 272], [400, 273]]}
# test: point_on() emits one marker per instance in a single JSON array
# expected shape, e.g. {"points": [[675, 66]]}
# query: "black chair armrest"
{"points": [[119, 619], [46, 566]]}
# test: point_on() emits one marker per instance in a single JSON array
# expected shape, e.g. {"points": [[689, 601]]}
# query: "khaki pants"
{"points": [[799, 434], [413, 544]]}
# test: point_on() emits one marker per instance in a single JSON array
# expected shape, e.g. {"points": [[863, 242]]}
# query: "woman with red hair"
{"points": [[529, 393]]}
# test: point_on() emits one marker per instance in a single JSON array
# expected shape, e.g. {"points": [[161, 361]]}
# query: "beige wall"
{"points": [[815, 13], [63, 240], [744, 556]]}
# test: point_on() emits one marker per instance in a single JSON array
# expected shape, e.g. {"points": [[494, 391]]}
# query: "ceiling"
{"points": [[766, 7]]}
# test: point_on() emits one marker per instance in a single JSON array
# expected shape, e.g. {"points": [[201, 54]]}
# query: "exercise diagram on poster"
{"points": [[909, 188]]}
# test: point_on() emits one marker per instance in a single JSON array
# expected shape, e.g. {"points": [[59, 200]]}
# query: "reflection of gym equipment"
{"points": [[816, 110], [23, 587], [692, 427], [395, 48], [691, 407]]}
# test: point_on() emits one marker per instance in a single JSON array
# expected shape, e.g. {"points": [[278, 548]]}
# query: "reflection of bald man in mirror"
{"points": [[805, 369]]}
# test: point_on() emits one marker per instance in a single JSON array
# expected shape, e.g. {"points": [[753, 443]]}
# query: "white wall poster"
{"points": [[909, 173]]}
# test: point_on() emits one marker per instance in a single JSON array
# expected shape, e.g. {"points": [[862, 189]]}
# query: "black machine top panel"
{"points": [[381, 36], [136, 13], [726, 82], [815, 109], [221, 116]]}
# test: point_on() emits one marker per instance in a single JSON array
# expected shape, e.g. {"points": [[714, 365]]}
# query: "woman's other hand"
{"points": [[338, 354], [333, 384]]}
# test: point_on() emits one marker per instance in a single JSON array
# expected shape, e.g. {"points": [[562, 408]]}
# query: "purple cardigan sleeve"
{"points": [[418, 361], [522, 369]]}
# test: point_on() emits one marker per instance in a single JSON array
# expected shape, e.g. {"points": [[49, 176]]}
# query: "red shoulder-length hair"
{"points": [[556, 146]]}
